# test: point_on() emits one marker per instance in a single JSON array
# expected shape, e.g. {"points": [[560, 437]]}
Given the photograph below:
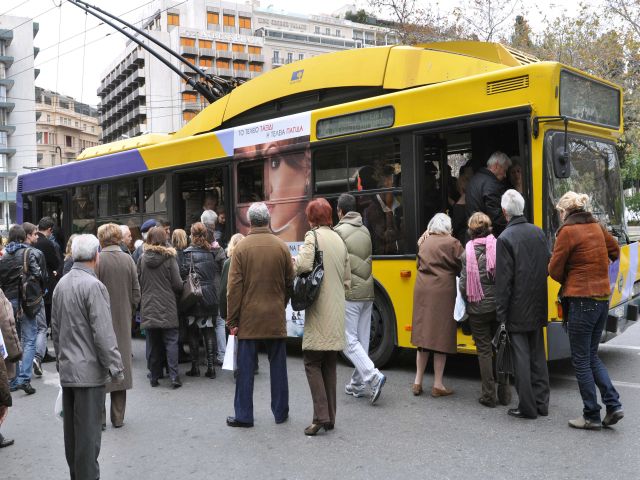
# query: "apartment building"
{"points": [[17, 112], [64, 128], [140, 94]]}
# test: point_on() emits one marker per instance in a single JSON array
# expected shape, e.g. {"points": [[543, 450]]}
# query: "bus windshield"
{"points": [[594, 170]]}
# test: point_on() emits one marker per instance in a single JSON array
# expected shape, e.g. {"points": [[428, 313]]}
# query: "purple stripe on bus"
{"points": [[631, 273], [93, 169], [614, 269], [226, 140]]}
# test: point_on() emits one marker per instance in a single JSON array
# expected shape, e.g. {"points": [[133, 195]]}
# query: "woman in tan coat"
{"points": [[119, 274], [324, 334], [434, 296]]}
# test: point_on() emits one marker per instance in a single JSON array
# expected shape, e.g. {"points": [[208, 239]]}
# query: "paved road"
{"points": [[182, 434]]}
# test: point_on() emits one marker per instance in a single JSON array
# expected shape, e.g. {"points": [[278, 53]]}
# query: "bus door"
{"points": [[54, 205], [432, 179], [200, 190]]}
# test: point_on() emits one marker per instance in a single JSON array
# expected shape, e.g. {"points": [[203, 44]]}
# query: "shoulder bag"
{"points": [[31, 292], [307, 285], [191, 288], [504, 362]]}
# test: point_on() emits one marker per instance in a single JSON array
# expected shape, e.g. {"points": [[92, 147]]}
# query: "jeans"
{"points": [[27, 331], [163, 343], [587, 318], [221, 337], [357, 322], [41, 336]]}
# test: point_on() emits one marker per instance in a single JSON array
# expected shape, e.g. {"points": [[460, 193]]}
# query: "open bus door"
{"points": [[56, 206]]}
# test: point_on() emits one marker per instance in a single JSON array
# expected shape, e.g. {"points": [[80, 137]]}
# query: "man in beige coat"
{"points": [[260, 280], [119, 274]]}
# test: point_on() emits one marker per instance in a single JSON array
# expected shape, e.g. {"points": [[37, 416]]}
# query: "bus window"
{"points": [[330, 170], [103, 200], [155, 194], [198, 191], [250, 182], [83, 200], [375, 164], [125, 197]]}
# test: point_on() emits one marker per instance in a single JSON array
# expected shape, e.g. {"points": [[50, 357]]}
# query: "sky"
{"points": [[75, 49]]}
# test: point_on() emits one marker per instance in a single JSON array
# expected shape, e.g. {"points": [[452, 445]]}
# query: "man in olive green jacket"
{"points": [[359, 301]]}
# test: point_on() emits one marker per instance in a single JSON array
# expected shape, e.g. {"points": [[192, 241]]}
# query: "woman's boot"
{"points": [[211, 349], [194, 347]]}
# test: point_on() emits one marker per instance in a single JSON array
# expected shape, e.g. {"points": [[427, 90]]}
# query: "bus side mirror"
{"points": [[560, 149]]}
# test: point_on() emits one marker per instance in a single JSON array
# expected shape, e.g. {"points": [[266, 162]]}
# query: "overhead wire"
{"points": [[13, 8]]}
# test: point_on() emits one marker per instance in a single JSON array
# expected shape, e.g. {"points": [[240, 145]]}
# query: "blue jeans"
{"points": [[243, 401], [41, 336], [27, 330], [587, 318]]}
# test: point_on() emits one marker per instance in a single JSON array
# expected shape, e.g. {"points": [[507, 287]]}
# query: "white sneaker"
{"points": [[37, 368], [350, 389], [376, 388]]}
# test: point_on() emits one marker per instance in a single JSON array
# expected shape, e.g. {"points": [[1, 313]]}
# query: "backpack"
{"points": [[31, 292]]}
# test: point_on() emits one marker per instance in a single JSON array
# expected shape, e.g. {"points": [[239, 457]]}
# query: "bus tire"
{"points": [[382, 342]]}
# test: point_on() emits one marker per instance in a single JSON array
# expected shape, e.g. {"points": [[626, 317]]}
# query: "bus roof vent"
{"points": [[507, 85], [19, 184]]}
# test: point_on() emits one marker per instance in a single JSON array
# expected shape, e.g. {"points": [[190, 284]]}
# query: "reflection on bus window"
{"points": [[383, 215], [199, 191], [330, 168], [103, 200], [251, 182], [83, 209], [125, 197], [155, 194], [371, 162]]}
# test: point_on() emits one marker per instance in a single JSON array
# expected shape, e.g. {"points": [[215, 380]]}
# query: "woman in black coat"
{"points": [[201, 317]]}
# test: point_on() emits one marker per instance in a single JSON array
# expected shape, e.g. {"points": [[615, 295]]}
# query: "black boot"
{"points": [[195, 370], [194, 348], [211, 349]]}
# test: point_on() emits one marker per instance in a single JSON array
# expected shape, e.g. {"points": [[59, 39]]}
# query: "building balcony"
{"points": [[246, 31], [240, 56], [36, 51], [7, 83], [225, 72], [207, 52], [36, 72], [185, 50], [36, 29], [186, 69], [8, 106], [224, 54], [8, 129], [191, 107], [7, 60], [242, 74], [277, 62], [255, 74], [214, 27], [256, 58], [228, 29], [6, 36], [9, 152]]}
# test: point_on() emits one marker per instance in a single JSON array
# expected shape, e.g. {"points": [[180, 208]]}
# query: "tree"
{"points": [[361, 16], [485, 20], [521, 37]]}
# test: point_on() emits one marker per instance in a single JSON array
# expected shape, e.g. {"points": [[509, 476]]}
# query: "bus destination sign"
{"points": [[355, 122], [589, 101]]}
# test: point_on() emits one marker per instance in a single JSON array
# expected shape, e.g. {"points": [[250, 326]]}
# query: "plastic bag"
{"points": [[231, 354], [460, 310], [57, 409]]}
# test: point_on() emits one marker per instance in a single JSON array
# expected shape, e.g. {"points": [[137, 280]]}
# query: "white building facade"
{"points": [[17, 109]]}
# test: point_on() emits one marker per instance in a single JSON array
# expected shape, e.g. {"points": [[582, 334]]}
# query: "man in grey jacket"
{"points": [[359, 300], [87, 356]]}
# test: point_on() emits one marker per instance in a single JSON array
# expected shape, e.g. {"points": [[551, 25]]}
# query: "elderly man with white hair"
{"points": [[485, 190], [522, 256], [87, 355]]}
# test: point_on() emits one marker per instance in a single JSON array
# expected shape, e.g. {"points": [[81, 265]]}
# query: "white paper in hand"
{"points": [[3, 348], [460, 310], [57, 408], [231, 354]]}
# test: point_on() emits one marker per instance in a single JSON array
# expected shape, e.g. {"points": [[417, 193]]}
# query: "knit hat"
{"points": [[148, 225]]}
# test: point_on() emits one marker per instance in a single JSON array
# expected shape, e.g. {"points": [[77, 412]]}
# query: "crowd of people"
{"points": [[91, 294]]}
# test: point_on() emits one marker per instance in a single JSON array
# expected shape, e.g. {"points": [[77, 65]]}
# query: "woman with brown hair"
{"points": [[201, 317], [324, 333], [180, 241], [477, 287], [160, 282], [118, 273]]}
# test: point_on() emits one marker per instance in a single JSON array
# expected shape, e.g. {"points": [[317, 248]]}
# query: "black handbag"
{"points": [[307, 285], [191, 289], [31, 291], [504, 362]]}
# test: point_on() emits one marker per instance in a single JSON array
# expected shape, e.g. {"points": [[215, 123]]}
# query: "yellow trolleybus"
{"points": [[391, 125]]}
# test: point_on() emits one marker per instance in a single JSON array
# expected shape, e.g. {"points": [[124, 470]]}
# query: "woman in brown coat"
{"points": [[434, 297], [580, 262], [118, 273]]}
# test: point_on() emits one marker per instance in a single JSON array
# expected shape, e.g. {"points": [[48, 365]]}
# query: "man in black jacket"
{"points": [[485, 190], [522, 256], [52, 259]]}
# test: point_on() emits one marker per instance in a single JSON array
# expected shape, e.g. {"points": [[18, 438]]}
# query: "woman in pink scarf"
{"points": [[477, 287]]}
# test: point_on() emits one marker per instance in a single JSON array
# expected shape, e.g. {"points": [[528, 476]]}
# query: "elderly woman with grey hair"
{"points": [[434, 297]]}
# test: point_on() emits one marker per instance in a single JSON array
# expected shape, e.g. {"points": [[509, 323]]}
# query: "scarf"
{"points": [[474, 287], [15, 246]]}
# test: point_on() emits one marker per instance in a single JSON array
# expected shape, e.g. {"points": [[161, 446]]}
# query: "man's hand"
{"points": [[233, 331], [4, 411]]}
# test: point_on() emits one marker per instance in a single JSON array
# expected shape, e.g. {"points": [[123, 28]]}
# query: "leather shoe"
{"points": [[232, 422], [543, 413], [440, 392], [5, 442], [284, 419], [154, 383], [515, 412]]}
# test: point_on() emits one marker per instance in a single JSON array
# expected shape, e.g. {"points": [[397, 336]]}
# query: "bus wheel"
{"points": [[382, 343]]}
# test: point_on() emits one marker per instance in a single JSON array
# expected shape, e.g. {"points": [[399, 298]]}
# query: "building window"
{"points": [[213, 18], [187, 116], [289, 57], [205, 43], [237, 47], [317, 29], [93, 129], [229, 20], [206, 62], [68, 141], [63, 104], [276, 56], [48, 118], [173, 19], [223, 63], [338, 34], [190, 97], [222, 46], [84, 127], [327, 31], [187, 42], [301, 56], [255, 67], [39, 157], [47, 100], [245, 22], [39, 138], [255, 50], [77, 124], [240, 66]]}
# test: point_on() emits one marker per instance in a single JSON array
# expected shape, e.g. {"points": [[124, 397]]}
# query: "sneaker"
{"points": [[26, 388], [584, 424], [377, 388], [350, 389], [37, 367], [611, 418]]}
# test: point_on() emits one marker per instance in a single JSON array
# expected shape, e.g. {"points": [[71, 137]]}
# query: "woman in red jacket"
{"points": [[580, 263]]}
